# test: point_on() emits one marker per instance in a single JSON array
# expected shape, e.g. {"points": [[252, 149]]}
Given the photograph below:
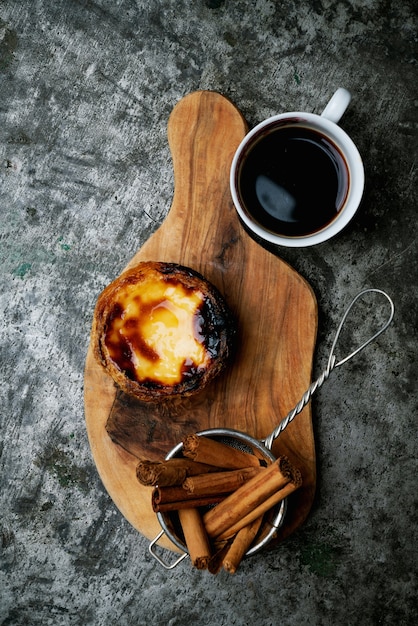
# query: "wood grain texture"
{"points": [[276, 314]]}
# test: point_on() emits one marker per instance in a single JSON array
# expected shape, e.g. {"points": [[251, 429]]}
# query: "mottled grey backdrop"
{"points": [[86, 88]]}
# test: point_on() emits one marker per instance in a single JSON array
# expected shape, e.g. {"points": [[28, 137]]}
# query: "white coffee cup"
{"points": [[297, 178]]}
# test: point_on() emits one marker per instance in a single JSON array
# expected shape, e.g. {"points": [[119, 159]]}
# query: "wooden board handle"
{"points": [[204, 131]]}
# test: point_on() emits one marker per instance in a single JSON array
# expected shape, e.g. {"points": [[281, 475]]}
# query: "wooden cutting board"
{"points": [[274, 306]]}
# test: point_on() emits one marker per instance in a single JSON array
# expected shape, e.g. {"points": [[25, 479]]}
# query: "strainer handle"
{"points": [[152, 551], [332, 364]]}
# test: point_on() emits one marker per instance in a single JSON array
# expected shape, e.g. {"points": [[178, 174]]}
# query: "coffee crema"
{"points": [[293, 181]]}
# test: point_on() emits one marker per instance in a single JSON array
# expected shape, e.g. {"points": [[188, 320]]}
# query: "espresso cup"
{"points": [[297, 179]]}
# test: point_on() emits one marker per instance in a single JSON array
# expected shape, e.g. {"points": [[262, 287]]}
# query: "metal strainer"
{"points": [[235, 438]]}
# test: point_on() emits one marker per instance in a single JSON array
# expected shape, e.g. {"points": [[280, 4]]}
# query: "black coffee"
{"points": [[293, 181]]}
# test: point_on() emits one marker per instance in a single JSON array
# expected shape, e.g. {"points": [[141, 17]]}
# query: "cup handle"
{"points": [[337, 105]]}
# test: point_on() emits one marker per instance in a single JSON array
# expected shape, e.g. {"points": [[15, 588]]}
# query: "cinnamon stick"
{"points": [[261, 509], [242, 501], [170, 472], [217, 558], [220, 482], [206, 450], [198, 503], [165, 499], [195, 537], [162, 495], [241, 543]]}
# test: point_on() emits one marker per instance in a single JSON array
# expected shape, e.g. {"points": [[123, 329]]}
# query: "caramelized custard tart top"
{"points": [[162, 330]]}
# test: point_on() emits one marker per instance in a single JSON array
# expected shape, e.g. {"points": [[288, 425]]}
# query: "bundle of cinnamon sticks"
{"points": [[241, 485]]}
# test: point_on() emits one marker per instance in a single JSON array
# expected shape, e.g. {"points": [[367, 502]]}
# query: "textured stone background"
{"points": [[86, 89]]}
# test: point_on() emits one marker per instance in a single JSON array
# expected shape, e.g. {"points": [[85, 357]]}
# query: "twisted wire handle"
{"points": [[331, 365]]}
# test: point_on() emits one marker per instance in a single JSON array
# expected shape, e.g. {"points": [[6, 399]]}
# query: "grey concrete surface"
{"points": [[86, 88]]}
